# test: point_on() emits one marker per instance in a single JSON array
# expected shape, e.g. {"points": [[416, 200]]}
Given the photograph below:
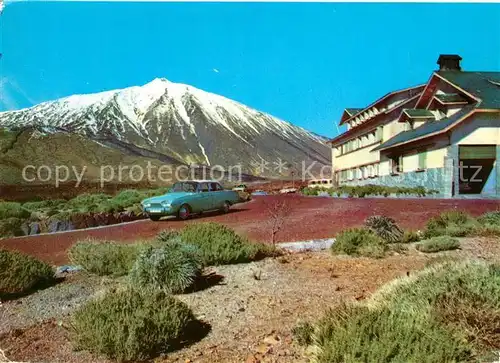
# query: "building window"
{"points": [[422, 160], [396, 163], [379, 134]]}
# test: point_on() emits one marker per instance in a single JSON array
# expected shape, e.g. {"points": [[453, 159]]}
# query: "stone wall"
{"points": [[431, 179]]}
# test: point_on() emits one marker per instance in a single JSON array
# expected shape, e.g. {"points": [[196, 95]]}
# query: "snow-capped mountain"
{"points": [[179, 121]]}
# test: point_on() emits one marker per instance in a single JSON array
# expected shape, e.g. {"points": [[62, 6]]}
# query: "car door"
{"points": [[217, 195], [204, 197]]}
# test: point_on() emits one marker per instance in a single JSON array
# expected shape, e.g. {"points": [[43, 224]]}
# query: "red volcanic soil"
{"points": [[309, 218]]}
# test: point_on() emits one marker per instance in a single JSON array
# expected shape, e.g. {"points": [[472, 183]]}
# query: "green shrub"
{"points": [[302, 333], [448, 312], [130, 325], [398, 248], [220, 245], [490, 218], [11, 227], [361, 191], [172, 268], [19, 273], [451, 223], [43, 204], [87, 202], [359, 242], [167, 235], [104, 257], [13, 210], [436, 244], [352, 334], [411, 237], [385, 227]]}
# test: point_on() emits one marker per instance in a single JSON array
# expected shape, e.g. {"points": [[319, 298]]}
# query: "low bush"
{"points": [[11, 227], [13, 210], [352, 334], [411, 237], [451, 223], [167, 235], [87, 202], [361, 191], [104, 257], [44, 204], [436, 244], [490, 218], [359, 242], [130, 325], [385, 227], [174, 267], [446, 313], [20, 274], [220, 245]]}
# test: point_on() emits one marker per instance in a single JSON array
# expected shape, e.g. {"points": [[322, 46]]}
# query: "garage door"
{"points": [[477, 152]]}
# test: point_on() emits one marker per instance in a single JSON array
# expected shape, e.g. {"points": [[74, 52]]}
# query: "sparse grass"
{"points": [[359, 242], [302, 333], [439, 243], [446, 313], [220, 245], [104, 257], [132, 325], [20, 273]]}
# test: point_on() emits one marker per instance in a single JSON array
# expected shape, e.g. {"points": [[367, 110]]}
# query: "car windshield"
{"points": [[185, 187]]}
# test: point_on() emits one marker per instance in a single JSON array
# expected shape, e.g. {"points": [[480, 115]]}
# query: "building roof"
{"points": [[482, 85], [451, 98], [353, 111], [428, 129], [361, 110], [418, 113]]}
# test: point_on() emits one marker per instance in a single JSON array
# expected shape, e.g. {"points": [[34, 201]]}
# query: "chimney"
{"points": [[449, 62]]}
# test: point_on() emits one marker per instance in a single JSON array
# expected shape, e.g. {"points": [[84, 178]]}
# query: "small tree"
{"points": [[277, 211]]}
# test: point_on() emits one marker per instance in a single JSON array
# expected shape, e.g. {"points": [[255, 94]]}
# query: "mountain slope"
{"points": [[179, 121]]}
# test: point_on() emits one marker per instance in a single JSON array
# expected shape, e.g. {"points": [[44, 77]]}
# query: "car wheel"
{"points": [[184, 212], [225, 207], [155, 218]]}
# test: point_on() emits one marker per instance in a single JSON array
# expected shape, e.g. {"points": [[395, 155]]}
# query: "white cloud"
{"points": [[11, 94], [7, 101]]}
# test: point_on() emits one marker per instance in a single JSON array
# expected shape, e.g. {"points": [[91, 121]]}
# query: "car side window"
{"points": [[203, 187], [215, 187]]}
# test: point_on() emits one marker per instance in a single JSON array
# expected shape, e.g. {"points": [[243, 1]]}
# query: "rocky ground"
{"points": [[251, 308]]}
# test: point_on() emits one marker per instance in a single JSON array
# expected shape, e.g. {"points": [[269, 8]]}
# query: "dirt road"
{"points": [[310, 217]]}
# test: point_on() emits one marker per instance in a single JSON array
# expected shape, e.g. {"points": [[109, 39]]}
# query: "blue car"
{"points": [[190, 197]]}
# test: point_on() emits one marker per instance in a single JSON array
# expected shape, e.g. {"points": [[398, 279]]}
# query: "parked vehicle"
{"points": [[288, 190], [242, 191], [190, 197], [259, 192], [320, 183]]}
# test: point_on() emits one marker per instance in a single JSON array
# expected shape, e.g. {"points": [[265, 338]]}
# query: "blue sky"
{"points": [[301, 62]]}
